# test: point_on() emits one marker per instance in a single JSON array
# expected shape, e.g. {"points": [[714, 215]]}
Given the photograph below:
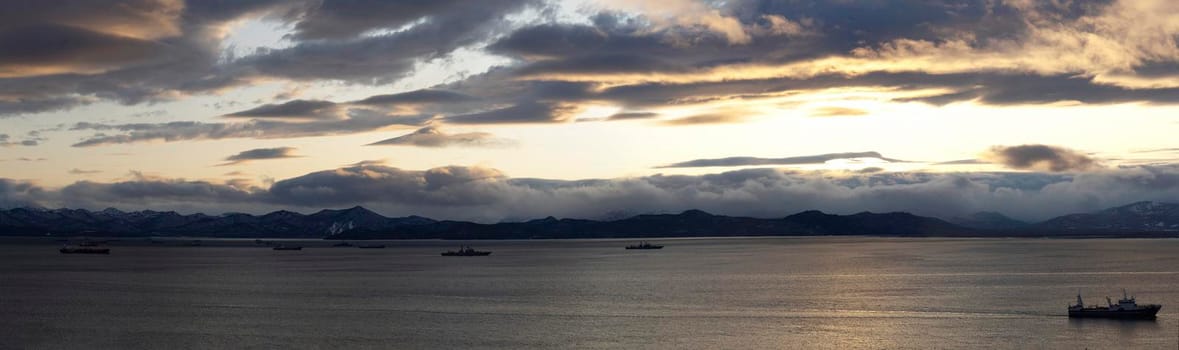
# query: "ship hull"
{"points": [[1146, 313], [467, 254]]}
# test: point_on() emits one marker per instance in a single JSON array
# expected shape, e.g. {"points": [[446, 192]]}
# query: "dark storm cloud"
{"points": [[146, 51], [617, 44], [261, 154], [17, 193], [383, 58], [1041, 157], [344, 19], [745, 161], [153, 191], [433, 137], [75, 52], [300, 109], [27, 50], [140, 51], [840, 27]]}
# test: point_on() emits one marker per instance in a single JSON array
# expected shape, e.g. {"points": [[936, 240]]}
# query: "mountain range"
{"points": [[1140, 218]]}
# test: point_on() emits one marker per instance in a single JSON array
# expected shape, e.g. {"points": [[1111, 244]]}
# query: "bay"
{"points": [[806, 293]]}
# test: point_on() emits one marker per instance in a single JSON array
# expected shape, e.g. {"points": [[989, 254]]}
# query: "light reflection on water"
{"points": [[834, 293]]}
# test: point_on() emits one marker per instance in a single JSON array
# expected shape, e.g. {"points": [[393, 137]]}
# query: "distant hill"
{"points": [[691, 223], [112, 222], [1143, 218], [988, 220], [1136, 217]]}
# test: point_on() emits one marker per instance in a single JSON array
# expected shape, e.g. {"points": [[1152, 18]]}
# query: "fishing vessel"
{"points": [[466, 251], [644, 245], [1127, 307], [84, 250]]}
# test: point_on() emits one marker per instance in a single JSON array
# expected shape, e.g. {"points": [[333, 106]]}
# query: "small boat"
{"points": [[288, 247], [466, 251], [644, 245], [84, 250], [1126, 308], [371, 246], [342, 244]]}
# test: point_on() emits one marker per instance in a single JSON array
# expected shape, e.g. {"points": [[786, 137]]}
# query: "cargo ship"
{"points": [[644, 245], [1127, 307]]}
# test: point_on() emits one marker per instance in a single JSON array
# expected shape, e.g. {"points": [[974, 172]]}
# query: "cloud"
{"points": [[599, 63], [342, 20], [963, 162], [525, 112], [33, 138], [76, 171], [746, 161], [416, 97], [366, 42], [433, 137], [369, 162], [1041, 158], [257, 129], [634, 55], [488, 195], [17, 193], [65, 54], [80, 51], [683, 15], [837, 112], [157, 193], [632, 116], [445, 186], [298, 109], [710, 118], [260, 154]]}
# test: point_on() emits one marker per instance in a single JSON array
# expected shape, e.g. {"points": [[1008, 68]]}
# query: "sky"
{"points": [[502, 110]]}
